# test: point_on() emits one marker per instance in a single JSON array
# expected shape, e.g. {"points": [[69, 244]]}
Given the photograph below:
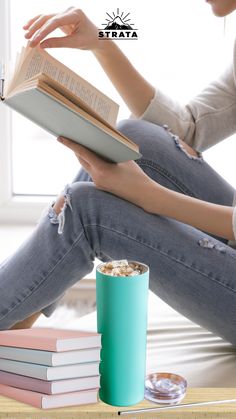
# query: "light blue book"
{"points": [[50, 358], [58, 100], [61, 120], [45, 372]]}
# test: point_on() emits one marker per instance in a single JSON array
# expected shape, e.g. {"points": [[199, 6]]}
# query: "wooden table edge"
{"points": [[13, 409]]}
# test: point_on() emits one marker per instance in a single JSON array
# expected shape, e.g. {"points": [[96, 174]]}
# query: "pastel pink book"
{"points": [[50, 339], [44, 401], [49, 387]]}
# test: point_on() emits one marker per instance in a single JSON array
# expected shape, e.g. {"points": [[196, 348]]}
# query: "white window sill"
{"points": [[24, 210]]}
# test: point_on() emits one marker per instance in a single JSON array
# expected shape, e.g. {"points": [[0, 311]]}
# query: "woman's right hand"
{"points": [[80, 31]]}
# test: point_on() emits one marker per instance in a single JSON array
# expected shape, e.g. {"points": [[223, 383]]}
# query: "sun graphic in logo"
{"points": [[118, 21]]}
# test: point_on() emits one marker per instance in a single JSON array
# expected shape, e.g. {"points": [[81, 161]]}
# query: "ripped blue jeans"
{"points": [[193, 272]]}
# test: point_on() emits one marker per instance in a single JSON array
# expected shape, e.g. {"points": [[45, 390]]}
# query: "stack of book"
{"points": [[50, 368]]}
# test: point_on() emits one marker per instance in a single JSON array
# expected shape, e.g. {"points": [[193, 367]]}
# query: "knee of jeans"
{"points": [[74, 202], [134, 127], [156, 141], [144, 133], [126, 125]]}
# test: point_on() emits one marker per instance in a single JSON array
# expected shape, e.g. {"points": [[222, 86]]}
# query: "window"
{"points": [[180, 49]]}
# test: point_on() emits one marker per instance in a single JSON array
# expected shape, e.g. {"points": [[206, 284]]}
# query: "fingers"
{"points": [[71, 144], [83, 152], [53, 23], [29, 23], [77, 148], [84, 163], [47, 28], [61, 42], [36, 24]]}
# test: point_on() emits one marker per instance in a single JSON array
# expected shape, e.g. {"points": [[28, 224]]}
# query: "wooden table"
{"points": [[14, 410]]}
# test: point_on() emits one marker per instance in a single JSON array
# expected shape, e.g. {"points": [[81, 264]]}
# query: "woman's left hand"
{"points": [[126, 180]]}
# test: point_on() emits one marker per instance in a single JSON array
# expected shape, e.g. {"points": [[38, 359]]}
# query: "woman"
{"points": [[154, 210]]}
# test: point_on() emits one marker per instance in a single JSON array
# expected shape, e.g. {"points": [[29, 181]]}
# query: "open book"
{"points": [[58, 100]]}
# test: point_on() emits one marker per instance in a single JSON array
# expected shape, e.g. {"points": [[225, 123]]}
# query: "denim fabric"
{"points": [[193, 272]]}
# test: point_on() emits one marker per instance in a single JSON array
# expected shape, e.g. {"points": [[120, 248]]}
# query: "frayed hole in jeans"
{"points": [[210, 244], [181, 146], [61, 216]]}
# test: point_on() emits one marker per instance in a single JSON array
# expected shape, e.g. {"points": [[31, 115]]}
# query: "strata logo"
{"points": [[118, 27]]}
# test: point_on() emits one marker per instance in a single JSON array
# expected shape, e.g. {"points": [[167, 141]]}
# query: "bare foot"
{"points": [[26, 323]]}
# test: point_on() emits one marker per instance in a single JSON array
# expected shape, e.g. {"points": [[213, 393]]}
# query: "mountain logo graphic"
{"points": [[118, 23], [118, 26]]}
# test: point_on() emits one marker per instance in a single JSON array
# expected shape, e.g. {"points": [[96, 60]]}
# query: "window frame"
{"points": [[13, 208]]}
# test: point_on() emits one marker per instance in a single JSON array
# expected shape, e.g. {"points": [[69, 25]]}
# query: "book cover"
{"points": [[49, 387], [50, 339], [43, 401], [59, 119], [61, 102], [32, 62], [50, 373], [48, 357]]}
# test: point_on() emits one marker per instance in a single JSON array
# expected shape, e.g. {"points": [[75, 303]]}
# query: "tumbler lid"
{"points": [[165, 388]]}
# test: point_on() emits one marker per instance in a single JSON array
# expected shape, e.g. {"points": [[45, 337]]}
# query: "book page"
{"points": [[118, 135], [36, 60]]}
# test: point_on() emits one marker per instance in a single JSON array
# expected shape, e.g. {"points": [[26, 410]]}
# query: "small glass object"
{"points": [[165, 388]]}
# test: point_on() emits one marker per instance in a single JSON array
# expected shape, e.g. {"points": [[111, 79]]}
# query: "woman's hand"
{"points": [[80, 31], [129, 182], [125, 180], [83, 34]]}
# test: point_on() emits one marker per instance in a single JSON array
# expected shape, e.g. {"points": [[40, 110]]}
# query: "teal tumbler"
{"points": [[122, 320]]}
